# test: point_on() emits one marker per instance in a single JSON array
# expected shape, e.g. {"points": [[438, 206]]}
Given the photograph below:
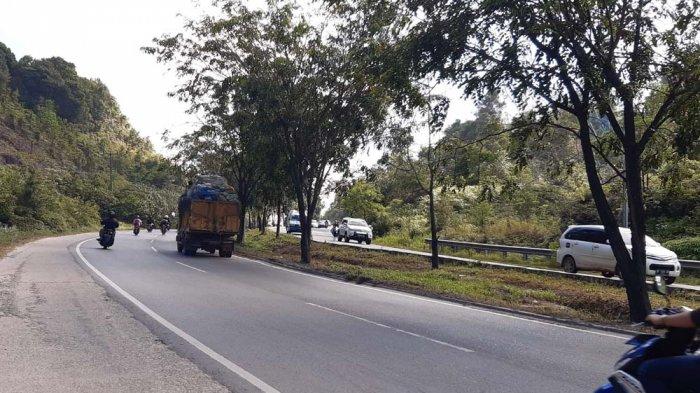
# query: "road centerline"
{"points": [[439, 342], [435, 301], [191, 267]]}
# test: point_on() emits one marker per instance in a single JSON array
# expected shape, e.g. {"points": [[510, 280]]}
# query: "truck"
{"points": [[208, 225]]}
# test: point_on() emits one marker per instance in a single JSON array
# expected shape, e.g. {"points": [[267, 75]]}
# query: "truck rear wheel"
{"points": [[190, 251], [225, 254], [179, 247]]}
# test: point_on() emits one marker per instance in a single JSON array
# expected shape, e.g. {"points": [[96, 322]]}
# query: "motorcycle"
{"points": [[164, 228], [150, 227], [137, 229], [675, 342], [106, 238]]}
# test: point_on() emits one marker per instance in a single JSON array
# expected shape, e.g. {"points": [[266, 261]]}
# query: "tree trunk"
{"points": [[635, 201], [279, 219], [241, 224], [634, 278], [434, 259], [263, 226], [305, 241]]}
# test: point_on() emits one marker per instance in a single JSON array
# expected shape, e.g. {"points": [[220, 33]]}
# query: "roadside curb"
{"points": [[505, 310]]}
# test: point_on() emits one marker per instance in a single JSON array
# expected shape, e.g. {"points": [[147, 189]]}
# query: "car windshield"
{"points": [[294, 217], [357, 222], [627, 237]]}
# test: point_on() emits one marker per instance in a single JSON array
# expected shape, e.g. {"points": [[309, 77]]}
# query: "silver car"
{"points": [[355, 229], [586, 247]]}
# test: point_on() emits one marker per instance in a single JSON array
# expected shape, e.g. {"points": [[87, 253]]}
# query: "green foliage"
{"points": [[363, 200], [60, 136], [686, 248]]}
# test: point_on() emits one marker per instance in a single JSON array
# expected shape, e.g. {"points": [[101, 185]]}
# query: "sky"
{"points": [[103, 39]]}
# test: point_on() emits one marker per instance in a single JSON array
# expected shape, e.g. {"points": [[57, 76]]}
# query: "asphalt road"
{"points": [[257, 326]]}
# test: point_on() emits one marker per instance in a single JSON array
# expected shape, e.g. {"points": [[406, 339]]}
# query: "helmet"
{"points": [[137, 216], [112, 214]]}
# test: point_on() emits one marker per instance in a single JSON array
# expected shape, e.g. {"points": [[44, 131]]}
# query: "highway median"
{"points": [[556, 297]]}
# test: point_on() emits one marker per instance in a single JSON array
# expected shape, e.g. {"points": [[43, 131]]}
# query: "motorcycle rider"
{"points": [[165, 222], [137, 222], [677, 373], [109, 222]]}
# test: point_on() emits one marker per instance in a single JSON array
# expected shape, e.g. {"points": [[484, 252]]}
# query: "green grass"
{"points": [[418, 244], [12, 238], [547, 295], [687, 277]]}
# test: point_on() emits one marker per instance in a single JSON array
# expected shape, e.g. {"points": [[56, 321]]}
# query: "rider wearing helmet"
{"points": [[109, 222], [137, 221]]}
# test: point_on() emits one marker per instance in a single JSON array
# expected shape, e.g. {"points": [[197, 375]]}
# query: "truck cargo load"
{"points": [[209, 217]]}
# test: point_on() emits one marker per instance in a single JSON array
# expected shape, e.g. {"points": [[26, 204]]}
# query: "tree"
{"points": [[363, 200], [298, 85], [231, 148], [428, 169], [587, 59]]}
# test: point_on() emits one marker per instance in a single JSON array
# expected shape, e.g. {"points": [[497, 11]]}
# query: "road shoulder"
{"points": [[62, 332]]}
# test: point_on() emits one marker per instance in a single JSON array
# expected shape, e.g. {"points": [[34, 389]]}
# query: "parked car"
{"points": [[314, 224], [355, 229], [292, 223], [586, 247]]}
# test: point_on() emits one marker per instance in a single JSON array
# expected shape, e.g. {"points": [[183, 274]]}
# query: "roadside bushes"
{"points": [[686, 248], [30, 201]]}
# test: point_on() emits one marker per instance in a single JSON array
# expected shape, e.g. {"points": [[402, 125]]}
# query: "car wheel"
{"points": [[368, 241], [190, 252], [569, 264], [179, 247], [669, 280]]}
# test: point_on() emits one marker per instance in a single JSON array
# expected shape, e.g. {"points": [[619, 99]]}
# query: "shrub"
{"points": [[522, 233], [686, 248]]}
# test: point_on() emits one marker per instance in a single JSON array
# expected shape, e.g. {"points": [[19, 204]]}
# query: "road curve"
{"points": [[256, 326]]}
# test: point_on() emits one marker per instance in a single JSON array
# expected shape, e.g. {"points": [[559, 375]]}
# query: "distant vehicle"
{"points": [[586, 247], [354, 229], [314, 224], [323, 224], [292, 222]]}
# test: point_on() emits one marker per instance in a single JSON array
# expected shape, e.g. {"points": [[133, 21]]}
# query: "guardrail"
{"points": [[527, 251]]}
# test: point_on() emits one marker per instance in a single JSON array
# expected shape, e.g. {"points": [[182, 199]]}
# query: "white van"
{"points": [[586, 247]]}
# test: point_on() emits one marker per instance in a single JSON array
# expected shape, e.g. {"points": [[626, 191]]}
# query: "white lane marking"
{"points": [[191, 267], [393, 328], [152, 240], [154, 249], [444, 303], [233, 367]]}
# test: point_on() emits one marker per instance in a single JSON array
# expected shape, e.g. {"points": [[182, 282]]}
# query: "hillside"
{"points": [[67, 152]]}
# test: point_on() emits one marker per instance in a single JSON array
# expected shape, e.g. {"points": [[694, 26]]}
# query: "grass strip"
{"points": [[688, 277], [13, 238], [559, 297]]}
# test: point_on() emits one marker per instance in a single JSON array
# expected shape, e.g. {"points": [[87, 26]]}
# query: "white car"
{"points": [[355, 229], [586, 247], [314, 224]]}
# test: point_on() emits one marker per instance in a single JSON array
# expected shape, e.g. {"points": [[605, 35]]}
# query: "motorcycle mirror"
{"points": [[660, 285]]}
